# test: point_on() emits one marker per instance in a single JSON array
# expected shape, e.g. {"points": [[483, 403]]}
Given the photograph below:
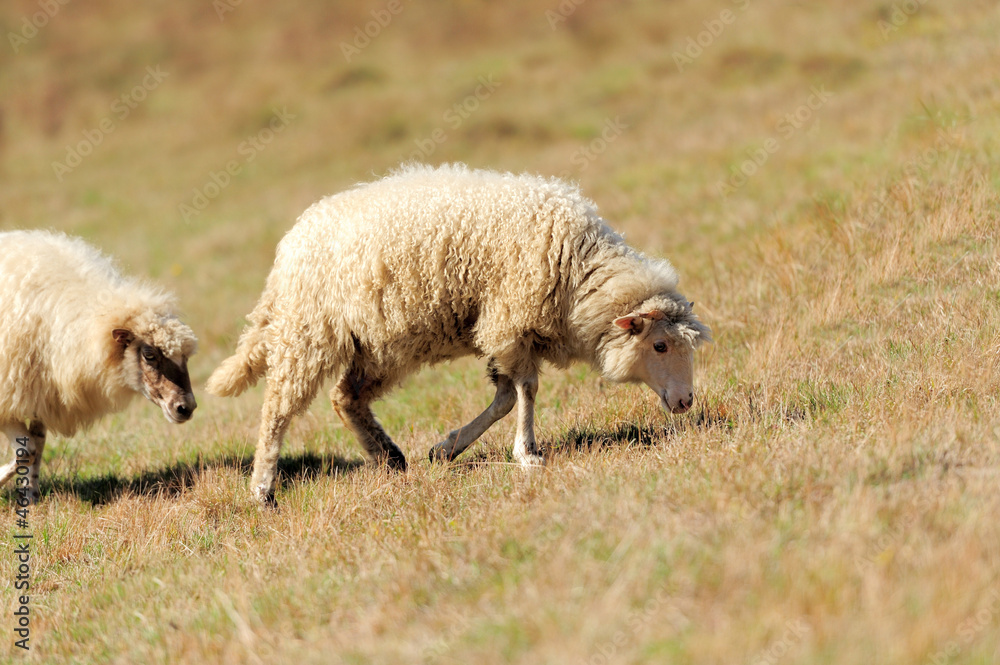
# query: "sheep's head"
{"points": [[155, 355], [655, 345]]}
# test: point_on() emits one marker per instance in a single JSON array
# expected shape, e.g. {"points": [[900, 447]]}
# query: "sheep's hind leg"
{"points": [[352, 398], [284, 398], [460, 439], [33, 440], [525, 448]]}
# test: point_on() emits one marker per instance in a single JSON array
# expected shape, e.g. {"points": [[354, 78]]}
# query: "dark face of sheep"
{"points": [[660, 353], [162, 379]]}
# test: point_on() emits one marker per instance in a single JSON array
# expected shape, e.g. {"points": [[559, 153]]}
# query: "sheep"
{"points": [[77, 341], [429, 264]]}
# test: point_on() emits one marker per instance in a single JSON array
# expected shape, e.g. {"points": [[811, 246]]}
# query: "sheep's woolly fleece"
{"points": [[62, 299], [433, 263]]}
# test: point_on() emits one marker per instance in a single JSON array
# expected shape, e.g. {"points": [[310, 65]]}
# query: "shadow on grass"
{"points": [[587, 439], [480, 458], [638, 434], [178, 478], [174, 480]]}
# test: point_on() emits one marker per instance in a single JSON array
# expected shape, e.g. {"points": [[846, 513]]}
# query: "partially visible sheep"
{"points": [[77, 341], [431, 264]]}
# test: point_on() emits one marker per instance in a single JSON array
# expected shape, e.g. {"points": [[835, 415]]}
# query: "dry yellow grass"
{"points": [[831, 499]]}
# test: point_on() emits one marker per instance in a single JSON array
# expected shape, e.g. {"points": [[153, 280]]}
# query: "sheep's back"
{"points": [[53, 288], [440, 262]]}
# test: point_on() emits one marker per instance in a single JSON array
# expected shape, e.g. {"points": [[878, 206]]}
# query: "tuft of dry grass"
{"points": [[831, 498]]}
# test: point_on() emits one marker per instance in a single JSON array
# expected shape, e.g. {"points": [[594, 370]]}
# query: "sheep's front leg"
{"points": [[352, 397], [31, 441], [525, 448], [13, 432], [460, 439]]}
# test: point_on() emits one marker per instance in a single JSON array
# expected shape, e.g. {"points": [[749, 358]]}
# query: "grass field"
{"points": [[824, 176]]}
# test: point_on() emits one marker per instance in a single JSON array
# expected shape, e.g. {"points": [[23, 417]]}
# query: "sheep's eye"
{"points": [[660, 347], [148, 354]]}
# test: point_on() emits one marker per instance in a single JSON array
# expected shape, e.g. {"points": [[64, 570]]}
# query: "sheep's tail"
{"points": [[248, 364]]}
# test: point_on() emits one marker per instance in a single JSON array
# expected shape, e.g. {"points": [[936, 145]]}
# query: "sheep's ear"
{"points": [[633, 323], [636, 321], [122, 336]]}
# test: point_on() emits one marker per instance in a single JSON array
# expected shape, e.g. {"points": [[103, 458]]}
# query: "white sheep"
{"points": [[77, 341], [435, 263]]}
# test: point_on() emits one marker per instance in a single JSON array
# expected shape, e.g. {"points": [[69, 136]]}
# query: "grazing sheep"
{"points": [[77, 341], [435, 263]]}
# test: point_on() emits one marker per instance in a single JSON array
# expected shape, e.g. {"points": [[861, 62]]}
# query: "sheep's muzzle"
{"points": [[166, 383]]}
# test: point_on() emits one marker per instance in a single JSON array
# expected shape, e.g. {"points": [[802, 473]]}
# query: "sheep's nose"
{"points": [[185, 410]]}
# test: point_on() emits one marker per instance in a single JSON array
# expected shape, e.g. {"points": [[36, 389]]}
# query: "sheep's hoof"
{"points": [[530, 460], [264, 496], [395, 460], [439, 453]]}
